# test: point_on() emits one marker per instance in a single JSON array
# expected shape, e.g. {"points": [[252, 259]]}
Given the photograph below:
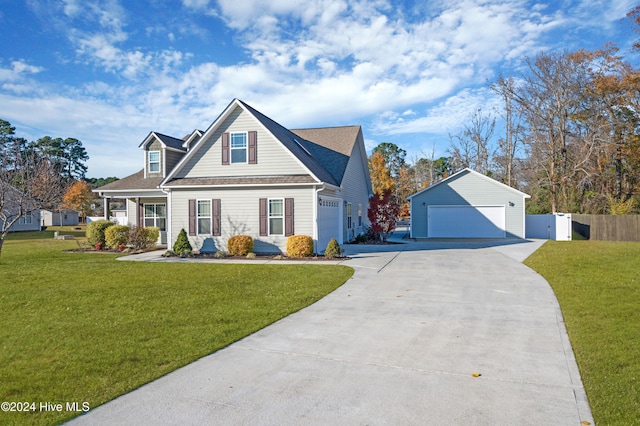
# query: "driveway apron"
{"points": [[423, 333]]}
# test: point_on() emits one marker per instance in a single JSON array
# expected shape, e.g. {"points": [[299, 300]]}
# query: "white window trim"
{"points": [[349, 216], [198, 217], [246, 148], [154, 162], [155, 216], [269, 217], [24, 221]]}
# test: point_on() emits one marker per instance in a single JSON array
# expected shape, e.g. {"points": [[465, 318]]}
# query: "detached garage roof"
{"points": [[468, 170]]}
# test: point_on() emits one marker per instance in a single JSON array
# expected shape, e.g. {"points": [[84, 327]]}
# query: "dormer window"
{"points": [[154, 161], [238, 147]]}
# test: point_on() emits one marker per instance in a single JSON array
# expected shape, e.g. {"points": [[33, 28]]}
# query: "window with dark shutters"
{"points": [[225, 149], [192, 217]]}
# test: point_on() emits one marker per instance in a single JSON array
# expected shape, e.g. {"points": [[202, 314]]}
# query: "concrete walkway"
{"points": [[397, 344]]}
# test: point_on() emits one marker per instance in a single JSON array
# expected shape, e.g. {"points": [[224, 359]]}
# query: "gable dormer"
{"points": [[161, 154], [192, 139]]}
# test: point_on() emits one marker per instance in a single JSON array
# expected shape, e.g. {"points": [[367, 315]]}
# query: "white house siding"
{"points": [[273, 158], [59, 217], [240, 215], [468, 189], [355, 192]]}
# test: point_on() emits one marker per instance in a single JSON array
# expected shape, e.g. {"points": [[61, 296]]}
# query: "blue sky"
{"points": [[409, 72]]}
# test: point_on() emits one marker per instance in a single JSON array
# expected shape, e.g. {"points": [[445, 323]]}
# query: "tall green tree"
{"points": [[68, 155], [394, 157]]}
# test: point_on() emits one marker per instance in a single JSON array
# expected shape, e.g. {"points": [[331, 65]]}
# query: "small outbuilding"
{"points": [[468, 204], [59, 217]]}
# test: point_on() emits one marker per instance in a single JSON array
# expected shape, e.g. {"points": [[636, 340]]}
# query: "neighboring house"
{"points": [[13, 201], [246, 174], [62, 217], [468, 204], [28, 222]]}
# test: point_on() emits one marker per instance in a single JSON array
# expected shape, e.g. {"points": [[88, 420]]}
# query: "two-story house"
{"points": [[247, 174]]}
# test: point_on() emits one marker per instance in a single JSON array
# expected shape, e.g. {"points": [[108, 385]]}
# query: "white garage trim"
{"points": [[466, 222]]}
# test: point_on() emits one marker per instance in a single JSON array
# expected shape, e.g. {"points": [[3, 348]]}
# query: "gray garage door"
{"points": [[466, 222]]}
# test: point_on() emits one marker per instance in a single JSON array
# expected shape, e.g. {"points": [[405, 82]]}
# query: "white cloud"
{"points": [[18, 70], [445, 117], [304, 63], [196, 4]]}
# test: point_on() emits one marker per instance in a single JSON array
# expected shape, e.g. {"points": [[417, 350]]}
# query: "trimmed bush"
{"points": [[95, 231], [299, 246], [182, 244], [333, 249], [240, 245], [153, 234], [141, 238], [116, 235]]}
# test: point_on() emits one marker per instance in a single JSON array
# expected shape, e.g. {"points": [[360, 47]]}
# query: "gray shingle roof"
{"points": [[340, 138], [324, 151], [134, 181], [324, 162], [171, 142]]}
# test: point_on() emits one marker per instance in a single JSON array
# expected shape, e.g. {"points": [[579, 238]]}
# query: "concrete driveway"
{"points": [[397, 344]]}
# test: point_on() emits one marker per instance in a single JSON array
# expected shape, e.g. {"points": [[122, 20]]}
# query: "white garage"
{"points": [[329, 222], [468, 204], [466, 221]]}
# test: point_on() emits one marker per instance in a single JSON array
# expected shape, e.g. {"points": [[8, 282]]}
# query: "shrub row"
{"points": [[104, 233]]}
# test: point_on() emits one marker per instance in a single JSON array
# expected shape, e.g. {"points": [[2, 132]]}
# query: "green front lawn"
{"points": [[598, 286], [84, 327]]}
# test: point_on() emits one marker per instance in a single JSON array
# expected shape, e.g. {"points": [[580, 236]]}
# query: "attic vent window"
{"points": [[300, 145]]}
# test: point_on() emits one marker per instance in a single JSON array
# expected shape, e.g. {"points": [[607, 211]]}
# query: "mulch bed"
{"points": [[266, 256]]}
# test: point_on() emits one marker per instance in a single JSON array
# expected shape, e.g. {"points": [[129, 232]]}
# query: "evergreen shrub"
{"points": [[333, 249], [116, 235], [182, 244], [95, 231]]}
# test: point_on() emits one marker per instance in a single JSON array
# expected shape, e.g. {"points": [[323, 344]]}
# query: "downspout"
{"points": [[168, 222], [315, 214]]}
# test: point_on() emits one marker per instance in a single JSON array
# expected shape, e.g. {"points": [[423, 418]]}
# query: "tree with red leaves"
{"points": [[383, 213]]}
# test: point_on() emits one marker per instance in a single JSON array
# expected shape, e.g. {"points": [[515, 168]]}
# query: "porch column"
{"points": [[105, 209], [140, 213]]}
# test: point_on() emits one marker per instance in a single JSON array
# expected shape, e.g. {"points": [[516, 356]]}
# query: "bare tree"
{"points": [[27, 184], [509, 145], [470, 147]]}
